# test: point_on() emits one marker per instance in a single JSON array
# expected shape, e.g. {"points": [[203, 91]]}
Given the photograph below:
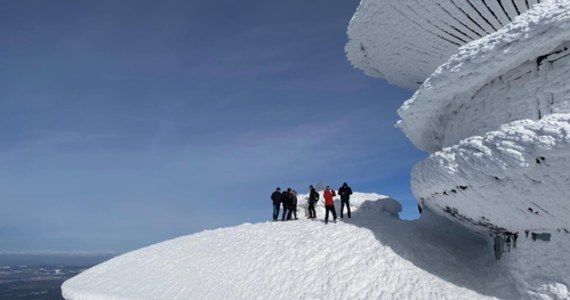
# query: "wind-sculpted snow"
{"points": [[404, 41], [371, 256], [455, 84]]}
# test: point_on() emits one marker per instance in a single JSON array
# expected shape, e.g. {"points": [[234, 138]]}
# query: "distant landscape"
{"points": [[39, 276]]}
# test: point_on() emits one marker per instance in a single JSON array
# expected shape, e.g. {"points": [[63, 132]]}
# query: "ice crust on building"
{"points": [[404, 41], [494, 115]]}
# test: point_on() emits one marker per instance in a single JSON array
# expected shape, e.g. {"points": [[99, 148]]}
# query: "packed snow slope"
{"points": [[373, 255]]}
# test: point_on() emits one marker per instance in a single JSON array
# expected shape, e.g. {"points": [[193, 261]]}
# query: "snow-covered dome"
{"points": [[404, 41], [373, 255]]}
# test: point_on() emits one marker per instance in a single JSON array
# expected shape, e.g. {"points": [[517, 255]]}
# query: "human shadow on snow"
{"points": [[437, 246]]}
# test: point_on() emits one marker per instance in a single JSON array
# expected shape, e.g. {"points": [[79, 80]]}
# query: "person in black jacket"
{"points": [[313, 199], [293, 202], [286, 205], [344, 191], [276, 197]]}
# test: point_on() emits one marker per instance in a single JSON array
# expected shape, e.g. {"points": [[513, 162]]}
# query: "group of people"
{"points": [[288, 199]]}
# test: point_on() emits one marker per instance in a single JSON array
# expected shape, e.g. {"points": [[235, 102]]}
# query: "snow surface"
{"points": [[404, 41], [373, 255]]}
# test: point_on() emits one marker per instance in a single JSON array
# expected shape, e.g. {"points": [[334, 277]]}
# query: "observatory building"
{"points": [[491, 104]]}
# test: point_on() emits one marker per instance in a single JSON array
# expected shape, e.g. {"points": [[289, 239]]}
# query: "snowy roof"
{"points": [[404, 41]]}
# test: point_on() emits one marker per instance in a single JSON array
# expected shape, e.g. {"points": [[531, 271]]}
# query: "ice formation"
{"points": [[496, 118], [404, 41], [494, 114]]}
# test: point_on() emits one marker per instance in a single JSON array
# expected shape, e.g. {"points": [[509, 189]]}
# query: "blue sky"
{"points": [[125, 123]]}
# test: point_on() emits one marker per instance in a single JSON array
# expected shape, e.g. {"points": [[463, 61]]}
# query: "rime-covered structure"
{"points": [[404, 41], [494, 115], [492, 107]]}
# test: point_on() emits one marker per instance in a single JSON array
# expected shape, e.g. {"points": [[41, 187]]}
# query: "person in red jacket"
{"points": [[329, 203]]}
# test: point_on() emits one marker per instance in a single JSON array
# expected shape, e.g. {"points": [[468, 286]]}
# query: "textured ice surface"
{"points": [[483, 74], [515, 178], [404, 41]]}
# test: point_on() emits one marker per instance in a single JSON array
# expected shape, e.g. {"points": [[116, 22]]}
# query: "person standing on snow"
{"points": [[344, 191], [276, 197], [293, 204], [286, 205], [313, 199], [329, 203]]}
